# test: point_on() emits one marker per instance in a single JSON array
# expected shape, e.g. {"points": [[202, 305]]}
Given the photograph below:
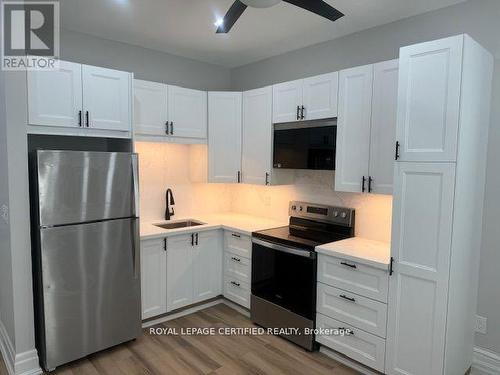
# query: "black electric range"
{"points": [[284, 268]]}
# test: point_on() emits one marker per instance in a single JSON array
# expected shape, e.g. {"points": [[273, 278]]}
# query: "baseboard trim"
{"points": [[347, 361], [25, 363], [486, 361]]}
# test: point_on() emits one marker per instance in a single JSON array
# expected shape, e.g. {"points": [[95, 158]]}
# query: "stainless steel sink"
{"points": [[180, 224]]}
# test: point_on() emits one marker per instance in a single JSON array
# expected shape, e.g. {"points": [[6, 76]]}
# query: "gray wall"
{"points": [[478, 18], [145, 63]]}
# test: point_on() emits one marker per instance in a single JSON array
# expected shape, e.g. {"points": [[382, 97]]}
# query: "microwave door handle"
{"points": [[285, 249]]}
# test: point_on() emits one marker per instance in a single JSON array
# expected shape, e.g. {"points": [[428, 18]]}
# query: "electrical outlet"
{"points": [[481, 322]]}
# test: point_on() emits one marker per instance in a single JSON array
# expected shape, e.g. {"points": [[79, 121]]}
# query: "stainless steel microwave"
{"points": [[305, 145]]}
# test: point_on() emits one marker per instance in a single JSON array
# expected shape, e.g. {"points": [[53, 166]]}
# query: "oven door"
{"points": [[285, 276]]}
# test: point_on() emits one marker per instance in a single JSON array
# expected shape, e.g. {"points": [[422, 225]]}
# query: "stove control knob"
{"points": [[300, 208], [294, 208], [335, 213], [343, 215]]}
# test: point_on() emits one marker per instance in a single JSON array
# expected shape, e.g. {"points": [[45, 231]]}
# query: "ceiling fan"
{"points": [[318, 7]]}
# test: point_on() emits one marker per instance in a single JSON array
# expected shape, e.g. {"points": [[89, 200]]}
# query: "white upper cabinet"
{"points": [[153, 277], [107, 98], [429, 100], [418, 289], [311, 98], [187, 112], [320, 96], [383, 127], [150, 108], [224, 137], [207, 264], [287, 101], [257, 136], [353, 129], [55, 97]]}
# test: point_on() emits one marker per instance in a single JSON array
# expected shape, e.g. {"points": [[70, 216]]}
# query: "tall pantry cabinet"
{"points": [[442, 131]]}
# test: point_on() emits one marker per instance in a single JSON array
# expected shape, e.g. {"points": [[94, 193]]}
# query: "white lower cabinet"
{"points": [[361, 346], [237, 267], [180, 255], [352, 295], [207, 266], [153, 278]]}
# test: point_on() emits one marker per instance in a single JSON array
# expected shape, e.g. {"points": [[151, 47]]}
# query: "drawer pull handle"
{"points": [[235, 283], [349, 265], [236, 259], [348, 331], [236, 235], [347, 298]]}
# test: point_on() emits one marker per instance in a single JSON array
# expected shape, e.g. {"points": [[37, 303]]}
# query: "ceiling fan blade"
{"points": [[231, 16], [318, 7]]}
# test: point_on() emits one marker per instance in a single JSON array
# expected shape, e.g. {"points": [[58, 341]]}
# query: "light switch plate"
{"points": [[481, 323]]}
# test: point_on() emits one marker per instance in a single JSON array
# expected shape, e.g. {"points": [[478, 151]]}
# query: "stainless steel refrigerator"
{"points": [[86, 252]]}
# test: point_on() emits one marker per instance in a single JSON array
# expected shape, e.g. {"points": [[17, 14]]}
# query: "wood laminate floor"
{"points": [[231, 355]]}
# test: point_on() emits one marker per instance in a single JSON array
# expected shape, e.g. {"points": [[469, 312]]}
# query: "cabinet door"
{"points": [[207, 266], [353, 128], [179, 272], [418, 289], [287, 98], [106, 96], [150, 108], [187, 112], [153, 278], [429, 100], [383, 128], [55, 97], [224, 137], [320, 96], [257, 136]]}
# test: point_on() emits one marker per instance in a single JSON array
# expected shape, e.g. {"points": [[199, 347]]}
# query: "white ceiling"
{"points": [[186, 27]]}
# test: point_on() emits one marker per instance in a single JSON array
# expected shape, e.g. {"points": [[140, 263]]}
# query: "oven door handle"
{"points": [[285, 249]]}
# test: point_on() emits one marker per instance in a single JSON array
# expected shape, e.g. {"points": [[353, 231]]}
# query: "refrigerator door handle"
{"points": [[136, 247], [135, 176]]}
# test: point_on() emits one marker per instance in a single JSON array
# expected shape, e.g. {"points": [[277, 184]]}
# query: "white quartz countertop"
{"points": [[372, 253], [245, 224]]}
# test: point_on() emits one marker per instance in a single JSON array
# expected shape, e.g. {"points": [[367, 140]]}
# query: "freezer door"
{"points": [[91, 288], [78, 186]]}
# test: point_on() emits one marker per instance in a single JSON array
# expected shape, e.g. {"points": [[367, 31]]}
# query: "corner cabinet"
{"points": [[169, 111], [311, 98], [224, 137], [442, 127], [82, 97], [366, 128]]}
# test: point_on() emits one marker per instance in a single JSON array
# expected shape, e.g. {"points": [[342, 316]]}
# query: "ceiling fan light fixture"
{"points": [[260, 3]]}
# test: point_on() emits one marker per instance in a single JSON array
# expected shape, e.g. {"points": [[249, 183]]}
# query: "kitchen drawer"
{"points": [[353, 277], [238, 243], [361, 312], [361, 346], [236, 266], [237, 291]]}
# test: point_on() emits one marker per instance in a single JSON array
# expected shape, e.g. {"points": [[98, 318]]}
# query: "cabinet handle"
{"points": [[196, 239], [363, 181], [235, 283], [166, 128], [298, 112], [192, 239], [302, 116], [396, 156], [347, 298], [87, 120], [171, 127], [236, 259], [165, 244], [391, 269], [236, 235], [80, 120], [267, 178], [239, 177], [349, 265], [370, 180]]}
